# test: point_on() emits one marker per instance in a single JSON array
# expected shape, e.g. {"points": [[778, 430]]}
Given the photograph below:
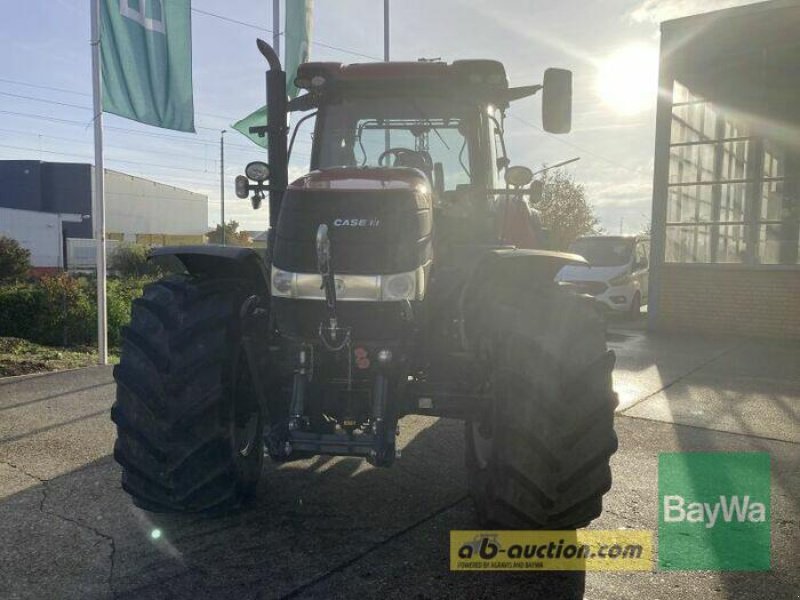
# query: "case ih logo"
{"points": [[357, 223]]}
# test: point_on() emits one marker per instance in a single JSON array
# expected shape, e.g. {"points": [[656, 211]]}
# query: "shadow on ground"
{"points": [[315, 521]]}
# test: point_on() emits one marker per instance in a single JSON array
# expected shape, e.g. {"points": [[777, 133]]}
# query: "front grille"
{"points": [[368, 320], [593, 288]]}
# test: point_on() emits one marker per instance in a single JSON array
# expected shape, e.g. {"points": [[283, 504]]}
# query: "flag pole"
{"points": [[276, 27], [386, 32], [386, 58], [222, 181], [99, 206]]}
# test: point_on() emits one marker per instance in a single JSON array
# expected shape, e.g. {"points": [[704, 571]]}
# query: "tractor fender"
{"points": [[502, 275], [220, 262]]}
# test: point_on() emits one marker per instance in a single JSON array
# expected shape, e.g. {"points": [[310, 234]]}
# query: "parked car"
{"points": [[617, 273]]}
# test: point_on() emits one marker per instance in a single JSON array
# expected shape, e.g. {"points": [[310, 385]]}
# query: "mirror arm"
{"points": [[518, 93], [303, 103]]}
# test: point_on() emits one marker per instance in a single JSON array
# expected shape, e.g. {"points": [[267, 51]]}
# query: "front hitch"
{"points": [[333, 337]]}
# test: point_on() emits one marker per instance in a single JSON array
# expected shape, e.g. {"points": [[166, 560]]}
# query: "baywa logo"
{"points": [[733, 508], [714, 511]]}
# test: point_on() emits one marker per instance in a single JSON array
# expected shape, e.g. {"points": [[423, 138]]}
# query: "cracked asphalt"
{"points": [[338, 528]]}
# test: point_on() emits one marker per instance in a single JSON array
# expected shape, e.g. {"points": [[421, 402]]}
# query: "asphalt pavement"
{"points": [[338, 528]]}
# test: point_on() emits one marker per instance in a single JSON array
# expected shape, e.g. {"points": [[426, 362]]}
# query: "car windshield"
{"points": [[604, 252], [356, 132]]}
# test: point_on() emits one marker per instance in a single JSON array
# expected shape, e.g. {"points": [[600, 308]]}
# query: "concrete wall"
{"points": [[39, 232], [736, 300], [137, 209], [140, 210]]}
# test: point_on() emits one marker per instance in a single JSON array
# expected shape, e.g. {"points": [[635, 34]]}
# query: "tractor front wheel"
{"points": [[189, 426], [538, 457]]}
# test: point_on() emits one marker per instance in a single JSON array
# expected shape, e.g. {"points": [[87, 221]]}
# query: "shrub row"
{"points": [[61, 310]]}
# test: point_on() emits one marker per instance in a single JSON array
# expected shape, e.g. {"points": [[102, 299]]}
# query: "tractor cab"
{"points": [[429, 116]]}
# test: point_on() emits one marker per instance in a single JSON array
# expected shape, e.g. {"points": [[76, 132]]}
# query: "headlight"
{"points": [[620, 280], [399, 287], [282, 283], [257, 171]]}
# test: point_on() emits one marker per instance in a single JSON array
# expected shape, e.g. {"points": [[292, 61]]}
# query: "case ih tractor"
{"points": [[401, 277]]}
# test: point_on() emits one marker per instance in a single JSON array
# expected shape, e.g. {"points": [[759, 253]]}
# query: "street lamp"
{"points": [[222, 179]]}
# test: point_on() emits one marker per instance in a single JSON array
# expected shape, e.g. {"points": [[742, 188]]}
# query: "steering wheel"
{"points": [[406, 157]]}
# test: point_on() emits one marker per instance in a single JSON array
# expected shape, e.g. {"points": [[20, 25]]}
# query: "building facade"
{"points": [[726, 202], [137, 210]]}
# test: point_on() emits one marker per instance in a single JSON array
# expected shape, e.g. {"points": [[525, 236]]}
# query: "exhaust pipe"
{"points": [[277, 130]]}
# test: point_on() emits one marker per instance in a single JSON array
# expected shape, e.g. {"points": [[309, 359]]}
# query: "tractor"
{"points": [[404, 274]]}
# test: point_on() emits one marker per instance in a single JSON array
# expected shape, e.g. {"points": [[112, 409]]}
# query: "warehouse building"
{"points": [[47, 207], [726, 202]]}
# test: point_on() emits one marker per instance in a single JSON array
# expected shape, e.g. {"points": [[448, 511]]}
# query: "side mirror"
{"points": [[557, 101], [518, 177]]}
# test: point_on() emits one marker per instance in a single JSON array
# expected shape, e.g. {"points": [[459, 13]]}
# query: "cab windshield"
{"points": [[358, 132], [604, 252]]}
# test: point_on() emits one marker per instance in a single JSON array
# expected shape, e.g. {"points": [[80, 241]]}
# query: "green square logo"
{"points": [[714, 511]]}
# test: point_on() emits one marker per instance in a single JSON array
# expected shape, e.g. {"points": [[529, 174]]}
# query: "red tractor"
{"points": [[401, 277]]}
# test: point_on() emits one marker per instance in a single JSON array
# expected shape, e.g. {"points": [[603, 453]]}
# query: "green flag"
{"points": [[299, 23], [146, 48]]}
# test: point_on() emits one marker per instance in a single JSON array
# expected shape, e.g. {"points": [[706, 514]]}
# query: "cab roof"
{"points": [[489, 75]]}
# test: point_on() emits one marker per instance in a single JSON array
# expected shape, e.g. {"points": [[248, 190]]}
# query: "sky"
{"points": [[610, 45]]}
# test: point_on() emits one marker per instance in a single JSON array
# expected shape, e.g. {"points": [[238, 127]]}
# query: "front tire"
{"points": [[539, 456], [189, 427]]}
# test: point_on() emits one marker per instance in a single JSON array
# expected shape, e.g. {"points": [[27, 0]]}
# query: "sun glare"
{"points": [[627, 80]]}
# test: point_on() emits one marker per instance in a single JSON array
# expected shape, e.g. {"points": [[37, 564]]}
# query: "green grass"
{"points": [[21, 357]]}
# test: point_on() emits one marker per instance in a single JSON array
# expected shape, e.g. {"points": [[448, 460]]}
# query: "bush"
{"points": [[121, 293], [130, 260], [15, 261], [20, 306], [62, 310]]}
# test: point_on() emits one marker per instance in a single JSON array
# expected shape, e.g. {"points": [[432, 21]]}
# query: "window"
{"points": [[732, 196], [354, 133], [604, 251]]}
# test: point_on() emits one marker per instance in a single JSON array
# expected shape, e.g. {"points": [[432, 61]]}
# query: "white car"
{"points": [[617, 274]]}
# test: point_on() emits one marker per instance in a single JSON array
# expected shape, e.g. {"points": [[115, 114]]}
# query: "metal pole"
{"points": [[222, 180], [387, 54], [386, 31], [99, 204], [276, 26]]}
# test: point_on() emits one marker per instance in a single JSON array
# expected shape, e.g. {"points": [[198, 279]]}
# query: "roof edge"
{"points": [[730, 12]]}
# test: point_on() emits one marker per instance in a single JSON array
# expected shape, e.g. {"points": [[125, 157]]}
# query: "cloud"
{"points": [[656, 11]]}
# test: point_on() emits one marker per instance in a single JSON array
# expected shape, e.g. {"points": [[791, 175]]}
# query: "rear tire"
{"points": [[189, 427], [539, 456]]}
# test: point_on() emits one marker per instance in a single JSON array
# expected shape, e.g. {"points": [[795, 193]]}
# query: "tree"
{"points": [[564, 209], [15, 261], [131, 260], [233, 237]]}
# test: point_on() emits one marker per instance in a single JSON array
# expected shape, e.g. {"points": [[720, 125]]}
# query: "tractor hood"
{"points": [[379, 221]]}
